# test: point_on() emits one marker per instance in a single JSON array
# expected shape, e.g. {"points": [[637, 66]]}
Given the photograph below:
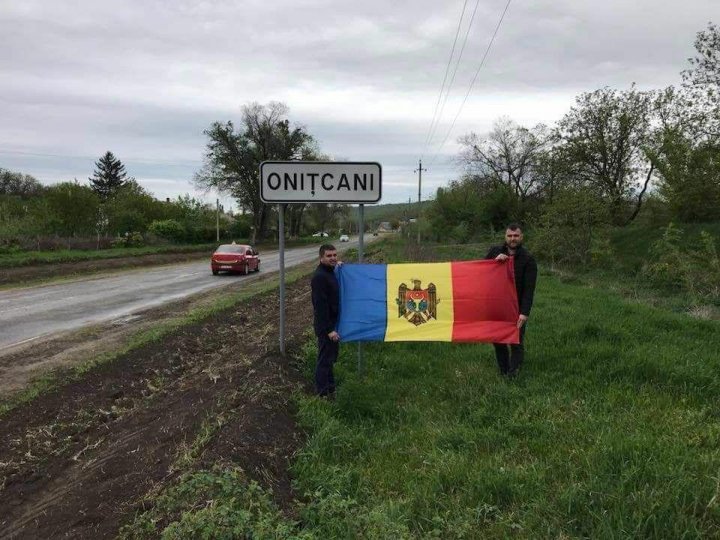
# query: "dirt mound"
{"points": [[78, 461]]}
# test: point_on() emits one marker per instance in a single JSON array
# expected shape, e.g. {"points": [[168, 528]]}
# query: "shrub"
{"points": [[168, 229], [239, 227], [461, 233], [129, 239], [573, 229], [693, 269]]}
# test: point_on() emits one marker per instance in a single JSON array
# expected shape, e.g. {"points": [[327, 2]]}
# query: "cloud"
{"points": [[144, 79]]}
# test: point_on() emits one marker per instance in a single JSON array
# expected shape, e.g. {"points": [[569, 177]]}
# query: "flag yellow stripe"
{"points": [[399, 328]]}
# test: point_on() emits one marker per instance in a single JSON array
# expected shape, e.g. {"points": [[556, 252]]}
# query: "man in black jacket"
{"points": [[525, 277], [326, 306]]}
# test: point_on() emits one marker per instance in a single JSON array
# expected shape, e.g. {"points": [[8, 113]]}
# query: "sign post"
{"points": [[281, 246], [361, 221], [314, 182]]}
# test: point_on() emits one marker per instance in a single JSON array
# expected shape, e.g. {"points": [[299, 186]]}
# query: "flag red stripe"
{"points": [[485, 304]]}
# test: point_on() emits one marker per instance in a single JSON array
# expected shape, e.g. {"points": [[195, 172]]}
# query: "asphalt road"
{"points": [[34, 312]]}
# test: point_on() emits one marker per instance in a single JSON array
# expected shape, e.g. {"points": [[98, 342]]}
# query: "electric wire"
{"points": [[452, 79], [447, 70], [472, 83]]}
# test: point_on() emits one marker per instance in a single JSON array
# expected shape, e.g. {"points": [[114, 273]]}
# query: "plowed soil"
{"points": [[78, 461]]}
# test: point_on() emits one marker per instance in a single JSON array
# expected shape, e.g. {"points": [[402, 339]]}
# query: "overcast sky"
{"points": [[145, 78]]}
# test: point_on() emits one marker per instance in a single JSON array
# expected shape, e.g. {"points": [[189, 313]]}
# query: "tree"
{"points": [[131, 209], [15, 184], [689, 176], [233, 158], [604, 137], [323, 215], [466, 207], [109, 176], [196, 217], [571, 226], [702, 84], [684, 150], [295, 214], [509, 155], [70, 209]]}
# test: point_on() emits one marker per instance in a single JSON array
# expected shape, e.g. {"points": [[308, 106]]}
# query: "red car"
{"points": [[235, 258]]}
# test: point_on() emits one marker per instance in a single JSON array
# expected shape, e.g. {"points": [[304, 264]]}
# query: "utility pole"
{"points": [[217, 219], [419, 170]]}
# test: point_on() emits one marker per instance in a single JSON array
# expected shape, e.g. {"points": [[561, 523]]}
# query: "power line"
{"points": [[472, 83], [447, 69], [452, 79]]}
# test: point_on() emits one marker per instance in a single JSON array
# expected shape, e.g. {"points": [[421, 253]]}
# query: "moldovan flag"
{"points": [[454, 301]]}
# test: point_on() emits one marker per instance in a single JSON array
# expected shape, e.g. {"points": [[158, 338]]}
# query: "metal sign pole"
{"points": [[361, 239], [361, 244], [281, 242]]}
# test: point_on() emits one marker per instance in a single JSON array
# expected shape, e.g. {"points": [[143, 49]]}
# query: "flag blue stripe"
{"points": [[363, 302]]}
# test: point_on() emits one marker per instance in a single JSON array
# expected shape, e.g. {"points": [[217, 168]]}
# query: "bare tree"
{"points": [[508, 155]]}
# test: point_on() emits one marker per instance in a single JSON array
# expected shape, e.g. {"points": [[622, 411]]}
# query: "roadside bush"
{"points": [[9, 248], [573, 229], [129, 239], [168, 229], [461, 233], [240, 227], [694, 269]]}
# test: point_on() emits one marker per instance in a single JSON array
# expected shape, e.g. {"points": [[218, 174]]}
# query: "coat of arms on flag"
{"points": [[417, 305]]}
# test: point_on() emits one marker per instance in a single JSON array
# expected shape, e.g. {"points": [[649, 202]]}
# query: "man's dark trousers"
{"points": [[327, 356], [510, 357]]}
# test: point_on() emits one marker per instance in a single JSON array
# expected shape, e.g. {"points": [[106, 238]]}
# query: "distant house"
{"points": [[384, 226]]}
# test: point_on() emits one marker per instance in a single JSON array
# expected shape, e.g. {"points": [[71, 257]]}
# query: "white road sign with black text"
{"points": [[320, 182]]}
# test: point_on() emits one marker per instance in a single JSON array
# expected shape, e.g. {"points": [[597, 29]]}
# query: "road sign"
{"points": [[320, 182]]}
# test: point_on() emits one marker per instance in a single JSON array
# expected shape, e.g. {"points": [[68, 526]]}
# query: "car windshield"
{"points": [[230, 248]]}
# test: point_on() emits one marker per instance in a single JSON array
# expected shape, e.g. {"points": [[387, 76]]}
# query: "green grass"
{"points": [[611, 431], [219, 503]]}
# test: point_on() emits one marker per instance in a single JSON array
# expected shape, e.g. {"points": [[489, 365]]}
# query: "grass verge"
{"points": [[27, 258]]}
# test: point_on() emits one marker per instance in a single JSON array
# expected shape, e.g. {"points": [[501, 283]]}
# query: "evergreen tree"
{"points": [[109, 176]]}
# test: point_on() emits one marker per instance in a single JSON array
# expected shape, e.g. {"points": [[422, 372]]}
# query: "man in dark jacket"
{"points": [[326, 306], [509, 361]]}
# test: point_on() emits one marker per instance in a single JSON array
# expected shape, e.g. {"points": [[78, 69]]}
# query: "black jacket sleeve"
{"points": [[321, 305], [530, 278], [492, 252]]}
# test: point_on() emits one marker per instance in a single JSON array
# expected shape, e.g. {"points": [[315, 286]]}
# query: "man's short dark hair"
{"points": [[326, 247], [513, 227]]}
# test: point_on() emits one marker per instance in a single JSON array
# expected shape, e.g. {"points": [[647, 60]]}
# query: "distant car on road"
{"points": [[320, 235], [344, 238], [235, 258]]}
